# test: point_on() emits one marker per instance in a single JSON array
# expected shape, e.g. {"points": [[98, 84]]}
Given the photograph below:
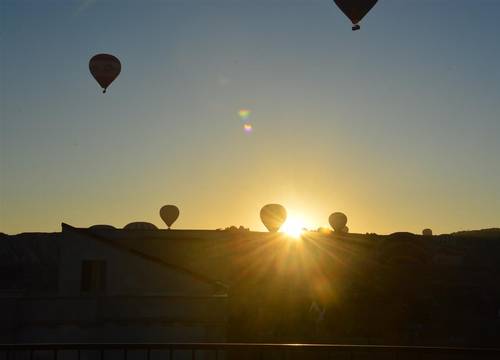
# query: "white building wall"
{"points": [[143, 302], [126, 273]]}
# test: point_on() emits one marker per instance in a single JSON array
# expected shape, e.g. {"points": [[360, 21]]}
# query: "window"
{"points": [[93, 276]]}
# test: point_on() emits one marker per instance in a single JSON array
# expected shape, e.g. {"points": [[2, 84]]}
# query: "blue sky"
{"points": [[397, 124]]}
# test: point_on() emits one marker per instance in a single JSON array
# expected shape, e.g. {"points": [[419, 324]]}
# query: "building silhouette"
{"points": [[141, 284]]}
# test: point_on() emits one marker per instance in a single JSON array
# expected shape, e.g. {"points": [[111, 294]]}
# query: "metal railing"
{"points": [[222, 351]]}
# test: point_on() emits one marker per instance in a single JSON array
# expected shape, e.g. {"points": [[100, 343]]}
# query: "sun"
{"points": [[293, 227]]}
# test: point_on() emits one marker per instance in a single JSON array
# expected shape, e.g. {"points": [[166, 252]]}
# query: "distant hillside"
{"points": [[484, 233]]}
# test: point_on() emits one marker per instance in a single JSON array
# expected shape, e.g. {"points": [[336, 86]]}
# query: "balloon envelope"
{"points": [[273, 216], [338, 221], [169, 213], [104, 68], [355, 10], [427, 232]]}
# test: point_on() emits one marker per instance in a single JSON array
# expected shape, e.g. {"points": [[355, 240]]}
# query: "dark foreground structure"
{"points": [[107, 285], [216, 351]]}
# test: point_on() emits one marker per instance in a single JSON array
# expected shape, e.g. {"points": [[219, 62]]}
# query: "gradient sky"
{"points": [[397, 125]]}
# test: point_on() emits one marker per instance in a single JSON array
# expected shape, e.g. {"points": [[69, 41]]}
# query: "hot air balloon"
{"points": [[355, 10], [104, 68], [338, 221], [273, 216], [427, 232], [169, 213]]}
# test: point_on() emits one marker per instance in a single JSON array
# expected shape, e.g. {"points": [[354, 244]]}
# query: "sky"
{"points": [[396, 125]]}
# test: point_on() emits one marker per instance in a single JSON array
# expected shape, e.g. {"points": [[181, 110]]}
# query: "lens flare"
{"points": [[248, 127], [244, 113]]}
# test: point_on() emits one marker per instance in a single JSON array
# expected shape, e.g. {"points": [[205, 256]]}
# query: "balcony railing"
{"points": [[223, 351]]}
